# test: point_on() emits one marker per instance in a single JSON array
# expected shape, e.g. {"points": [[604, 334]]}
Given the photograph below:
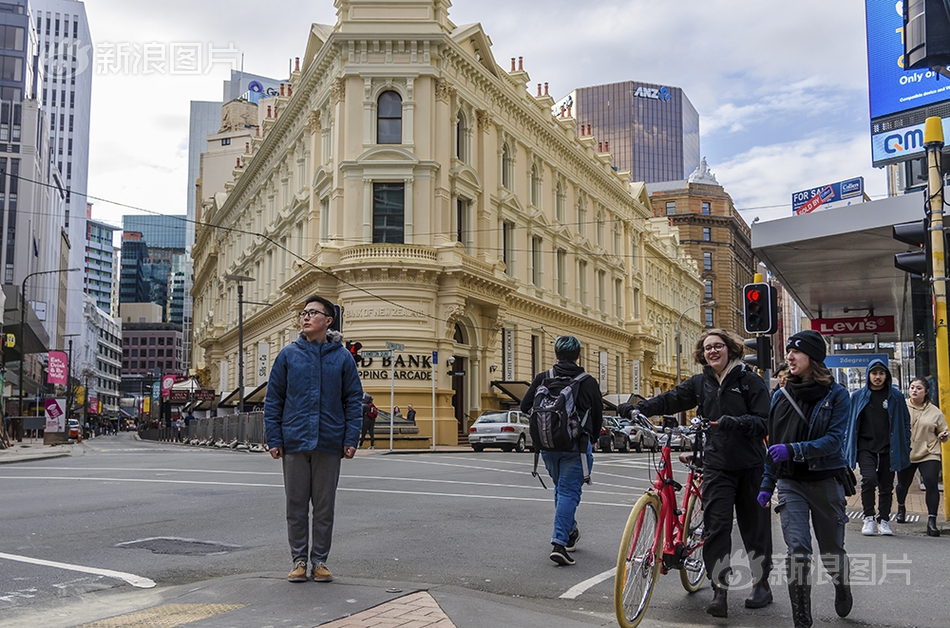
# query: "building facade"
{"points": [[652, 131], [160, 251], [98, 263], [99, 368], [716, 236], [406, 175]]}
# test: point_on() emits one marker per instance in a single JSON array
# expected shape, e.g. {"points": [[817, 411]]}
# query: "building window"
{"points": [[582, 218], [463, 231], [224, 141], [388, 212], [506, 167], [707, 234], [535, 186], [560, 202], [536, 260], [709, 318], [536, 358], [709, 292], [670, 208], [602, 291], [389, 118], [508, 247], [705, 208], [618, 298], [707, 261], [600, 228], [461, 137], [582, 282], [561, 272]]}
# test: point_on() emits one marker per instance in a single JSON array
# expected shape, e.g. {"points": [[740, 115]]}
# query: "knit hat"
{"points": [[810, 343]]}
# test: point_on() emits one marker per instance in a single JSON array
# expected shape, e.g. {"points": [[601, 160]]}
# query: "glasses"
{"points": [[716, 347], [312, 314]]}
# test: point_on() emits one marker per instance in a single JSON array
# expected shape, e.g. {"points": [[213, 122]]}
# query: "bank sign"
{"points": [[836, 194]]}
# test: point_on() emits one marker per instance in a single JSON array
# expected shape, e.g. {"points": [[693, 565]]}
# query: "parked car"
{"points": [[75, 430], [641, 434], [677, 443], [612, 435], [506, 429]]}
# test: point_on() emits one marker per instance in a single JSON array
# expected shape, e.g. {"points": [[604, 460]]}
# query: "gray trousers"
{"points": [[310, 477]]}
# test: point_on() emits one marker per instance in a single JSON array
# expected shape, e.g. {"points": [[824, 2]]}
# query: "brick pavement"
{"points": [[416, 610]]}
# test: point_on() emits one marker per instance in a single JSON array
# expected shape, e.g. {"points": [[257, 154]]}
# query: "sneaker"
{"points": [[560, 555], [322, 574], [869, 528], [299, 574], [572, 539], [884, 529]]}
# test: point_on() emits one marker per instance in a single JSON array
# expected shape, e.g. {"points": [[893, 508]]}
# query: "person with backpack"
{"points": [[736, 402], [566, 409], [370, 412]]}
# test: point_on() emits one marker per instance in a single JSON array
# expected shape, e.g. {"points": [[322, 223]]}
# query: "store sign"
{"points": [[508, 340], [263, 361], [55, 415], [854, 325], [636, 376], [416, 366], [603, 372]]}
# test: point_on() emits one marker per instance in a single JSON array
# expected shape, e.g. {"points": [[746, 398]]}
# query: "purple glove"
{"points": [[780, 453], [764, 498]]}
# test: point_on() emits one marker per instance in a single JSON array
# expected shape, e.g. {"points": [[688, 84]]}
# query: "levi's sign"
{"points": [[856, 325]]}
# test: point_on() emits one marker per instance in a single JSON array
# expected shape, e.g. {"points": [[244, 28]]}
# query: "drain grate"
{"points": [[165, 616], [179, 546]]}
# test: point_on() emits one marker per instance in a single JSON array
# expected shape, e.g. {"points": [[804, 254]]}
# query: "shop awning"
{"points": [[514, 389], [231, 399], [257, 395]]}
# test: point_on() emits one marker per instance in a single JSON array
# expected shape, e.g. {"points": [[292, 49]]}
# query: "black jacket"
{"points": [[588, 396], [742, 394]]}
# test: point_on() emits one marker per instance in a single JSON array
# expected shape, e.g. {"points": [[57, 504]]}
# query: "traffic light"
{"points": [[762, 359], [354, 349], [926, 34], [916, 234], [760, 308], [337, 324]]}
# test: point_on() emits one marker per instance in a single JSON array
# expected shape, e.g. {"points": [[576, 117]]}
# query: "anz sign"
{"points": [[653, 93], [900, 144]]}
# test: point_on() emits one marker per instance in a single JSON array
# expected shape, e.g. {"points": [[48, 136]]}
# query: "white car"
{"points": [[641, 434], [506, 429]]}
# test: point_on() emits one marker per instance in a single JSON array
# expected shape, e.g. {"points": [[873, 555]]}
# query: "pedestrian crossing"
{"points": [[859, 514]]}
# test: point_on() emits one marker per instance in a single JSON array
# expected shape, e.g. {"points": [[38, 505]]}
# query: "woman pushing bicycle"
{"points": [[736, 402]]}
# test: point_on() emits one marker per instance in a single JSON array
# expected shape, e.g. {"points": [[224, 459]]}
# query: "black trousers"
{"points": [[876, 476], [930, 474], [725, 492], [369, 427]]}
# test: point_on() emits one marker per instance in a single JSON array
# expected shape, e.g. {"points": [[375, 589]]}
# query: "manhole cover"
{"points": [[183, 547]]}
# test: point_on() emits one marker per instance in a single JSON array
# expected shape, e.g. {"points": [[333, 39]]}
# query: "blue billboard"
{"points": [[891, 89], [836, 194]]}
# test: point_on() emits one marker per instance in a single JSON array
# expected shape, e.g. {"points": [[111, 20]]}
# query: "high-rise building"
{"points": [[652, 131], [157, 246], [98, 265]]}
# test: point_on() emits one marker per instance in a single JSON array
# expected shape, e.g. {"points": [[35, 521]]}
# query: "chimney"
{"points": [[588, 130], [569, 110], [281, 89], [545, 89], [238, 164], [512, 64], [247, 148], [607, 146], [297, 64], [520, 64], [600, 147], [539, 90], [268, 111], [290, 89]]}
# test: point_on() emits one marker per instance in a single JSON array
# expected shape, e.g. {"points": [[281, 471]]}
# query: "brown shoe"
{"points": [[322, 574], [299, 574]]}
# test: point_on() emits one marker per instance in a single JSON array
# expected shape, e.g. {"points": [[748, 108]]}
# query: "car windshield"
{"points": [[493, 417]]}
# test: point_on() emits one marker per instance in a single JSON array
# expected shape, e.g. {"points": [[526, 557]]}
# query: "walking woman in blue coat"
{"points": [[879, 441]]}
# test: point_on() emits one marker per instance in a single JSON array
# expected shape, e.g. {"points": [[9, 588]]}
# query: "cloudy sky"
{"points": [[780, 87]]}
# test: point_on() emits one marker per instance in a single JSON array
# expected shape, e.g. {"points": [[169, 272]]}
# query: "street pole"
{"points": [[240, 279], [23, 329], [933, 141], [392, 395], [679, 345], [435, 360]]}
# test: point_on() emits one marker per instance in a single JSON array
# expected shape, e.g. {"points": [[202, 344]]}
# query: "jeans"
{"points": [[310, 477], [566, 471], [876, 475], [369, 427], [824, 502], [930, 474]]}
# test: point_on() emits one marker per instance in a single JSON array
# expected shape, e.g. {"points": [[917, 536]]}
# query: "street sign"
{"points": [[377, 354], [855, 360], [395, 346], [456, 373]]}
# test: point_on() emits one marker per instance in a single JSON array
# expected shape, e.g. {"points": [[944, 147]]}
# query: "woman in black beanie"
{"points": [[807, 426]]}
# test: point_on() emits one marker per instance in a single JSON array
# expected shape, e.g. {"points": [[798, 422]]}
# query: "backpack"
{"points": [[555, 423], [371, 411]]}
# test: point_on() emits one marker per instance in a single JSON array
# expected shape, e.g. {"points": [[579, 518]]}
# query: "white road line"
{"points": [[575, 592], [135, 581]]}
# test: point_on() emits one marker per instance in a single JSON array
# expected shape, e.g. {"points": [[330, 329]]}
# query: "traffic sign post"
{"points": [[435, 360], [377, 354]]}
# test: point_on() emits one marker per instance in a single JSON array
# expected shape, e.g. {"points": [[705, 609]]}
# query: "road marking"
{"points": [[135, 581], [575, 592]]}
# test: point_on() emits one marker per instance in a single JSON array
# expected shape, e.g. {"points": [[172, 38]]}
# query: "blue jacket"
{"points": [[314, 398], [896, 411], [824, 448]]}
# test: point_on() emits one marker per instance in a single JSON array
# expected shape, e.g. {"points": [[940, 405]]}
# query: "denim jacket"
{"points": [[827, 426]]}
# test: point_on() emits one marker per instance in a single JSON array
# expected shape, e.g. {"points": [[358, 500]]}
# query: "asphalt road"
{"points": [[176, 515]]}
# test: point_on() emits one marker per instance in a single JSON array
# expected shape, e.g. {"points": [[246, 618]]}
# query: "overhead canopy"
{"points": [[230, 400], [256, 396], [34, 337], [515, 390], [843, 258]]}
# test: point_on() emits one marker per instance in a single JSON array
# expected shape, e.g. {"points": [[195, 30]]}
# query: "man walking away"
{"points": [[567, 468], [878, 439], [369, 421], [312, 417]]}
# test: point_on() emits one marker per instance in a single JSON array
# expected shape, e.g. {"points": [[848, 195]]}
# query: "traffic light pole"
{"points": [[933, 141]]}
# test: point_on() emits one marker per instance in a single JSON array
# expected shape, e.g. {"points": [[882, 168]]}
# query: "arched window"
{"points": [[461, 137], [535, 186], [505, 167], [389, 118]]}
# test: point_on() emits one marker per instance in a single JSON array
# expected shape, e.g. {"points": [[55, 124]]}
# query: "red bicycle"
{"points": [[658, 535]]}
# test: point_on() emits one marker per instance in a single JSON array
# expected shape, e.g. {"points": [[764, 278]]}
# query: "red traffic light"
{"points": [[753, 295], [354, 349]]}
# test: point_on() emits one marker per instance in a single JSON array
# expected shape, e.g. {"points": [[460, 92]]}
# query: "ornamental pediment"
{"points": [[466, 174], [387, 155]]}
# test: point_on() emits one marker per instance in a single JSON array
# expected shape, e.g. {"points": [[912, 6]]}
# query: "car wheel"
{"points": [[478, 447], [639, 445], [608, 447], [520, 447]]}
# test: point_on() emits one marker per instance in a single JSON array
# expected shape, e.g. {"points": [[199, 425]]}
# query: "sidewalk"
{"points": [[33, 449]]}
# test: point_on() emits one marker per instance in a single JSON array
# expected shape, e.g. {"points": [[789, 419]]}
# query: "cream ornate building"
{"points": [[406, 175]]}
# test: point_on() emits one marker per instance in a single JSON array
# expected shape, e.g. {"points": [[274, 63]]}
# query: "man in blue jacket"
{"points": [[878, 439], [312, 419]]}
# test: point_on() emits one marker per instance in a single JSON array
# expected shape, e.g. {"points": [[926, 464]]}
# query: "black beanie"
{"points": [[810, 343]]}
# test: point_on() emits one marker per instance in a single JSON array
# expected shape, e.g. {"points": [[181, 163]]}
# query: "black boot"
{"points": [[719, 607], [932, 529], [761, 595], [842, 581], [799, 590], [901, 514]]}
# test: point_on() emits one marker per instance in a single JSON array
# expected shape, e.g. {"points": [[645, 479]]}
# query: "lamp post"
{"points": [[69, 378], [240, 279], [23, 321], [679, 345]]}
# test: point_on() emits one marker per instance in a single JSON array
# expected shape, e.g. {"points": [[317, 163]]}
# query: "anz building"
{"points": [[652, 131]]}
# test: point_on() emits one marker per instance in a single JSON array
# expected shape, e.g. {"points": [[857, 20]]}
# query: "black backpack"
{"points": [[555, 423]]}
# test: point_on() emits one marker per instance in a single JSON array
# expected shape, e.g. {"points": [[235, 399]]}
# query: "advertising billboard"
{"points": [[837, 194], [891, 88]]}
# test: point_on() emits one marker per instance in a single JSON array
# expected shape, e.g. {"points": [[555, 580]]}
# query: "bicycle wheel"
{"points": [[638, 562], [693, 569]]}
